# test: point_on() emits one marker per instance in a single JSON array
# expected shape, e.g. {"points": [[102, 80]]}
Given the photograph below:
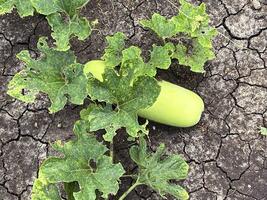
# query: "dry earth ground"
{"points": [[226, 153]]}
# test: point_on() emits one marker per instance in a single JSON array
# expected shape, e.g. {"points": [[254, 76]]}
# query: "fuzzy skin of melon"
{"points": [[175, 105]]}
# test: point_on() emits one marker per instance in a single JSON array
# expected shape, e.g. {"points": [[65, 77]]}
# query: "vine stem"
{"points": [[129, 190]]}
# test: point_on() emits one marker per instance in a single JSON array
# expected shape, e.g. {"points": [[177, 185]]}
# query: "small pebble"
{"points": [[154, 127], [256, 4], [59, 125], [35, 125]]}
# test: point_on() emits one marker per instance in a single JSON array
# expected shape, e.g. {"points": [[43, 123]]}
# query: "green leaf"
{"points": [[130, 94], [47, 7], [64, 19], [163, 27], [161, 56], [42, 190], [56, 73], [263, 131], [64, 30], [24, 7], [197, 57], [205, 36], [110, 120], [192, 23], [83, 162], [157, 172], [191, 18], [113, 52], [133, 61]]}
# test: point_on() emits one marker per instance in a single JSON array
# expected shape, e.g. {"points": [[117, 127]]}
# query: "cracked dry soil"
{"points": [[226, 153]]}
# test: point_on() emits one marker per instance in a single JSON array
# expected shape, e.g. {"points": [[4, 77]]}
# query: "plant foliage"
{"points": [[127, 86], [56, 73], [63, 17], [84, 162], [156, 171], [192, 23]]}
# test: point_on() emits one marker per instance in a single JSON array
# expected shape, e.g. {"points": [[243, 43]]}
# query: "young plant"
{"points": [[122, 92], [63, 17], [120, 86]]}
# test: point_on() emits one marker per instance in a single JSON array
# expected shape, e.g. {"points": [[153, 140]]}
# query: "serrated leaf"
{"points": [[83, 162], [191, 18], [192, 23], [63, 30], [161, 56], [110, 120], [197, 57], [263, 131], [133, 63], [113, 52], [163, 27], [56, 73], [157, 172], [63, 17], [129, 94], [24, 7]]}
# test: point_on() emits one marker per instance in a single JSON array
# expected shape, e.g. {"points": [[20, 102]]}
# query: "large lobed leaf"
{"points": [[192, 22], [64, 19], [56, 73], [83, 162], [157, 172], [128, 94], [64, 30], [129, 88]]}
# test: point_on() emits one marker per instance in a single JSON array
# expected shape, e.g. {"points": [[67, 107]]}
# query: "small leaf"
{"points": [[113, 52], [161, 56], [163, 27], [133, 61], [63, 31], [192, 23], [56, 73], [64, 19], [196, 58], [157, 172]]}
